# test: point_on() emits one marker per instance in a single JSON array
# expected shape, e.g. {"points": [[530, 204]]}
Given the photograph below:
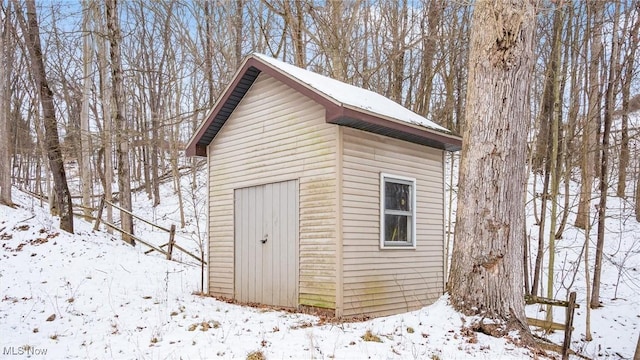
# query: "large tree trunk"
{"points": [[487, 270], [52, 140], [122, 139]]}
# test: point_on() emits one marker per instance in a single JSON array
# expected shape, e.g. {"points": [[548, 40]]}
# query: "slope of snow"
{"points": [[110, 300], [615, 326], [89, 295]]}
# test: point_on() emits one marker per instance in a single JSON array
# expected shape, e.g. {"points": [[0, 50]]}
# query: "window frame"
{"points": [[397, 179]]}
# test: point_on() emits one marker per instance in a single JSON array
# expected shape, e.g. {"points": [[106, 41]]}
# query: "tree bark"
{"points": [[626, 92], [604, 160], [105, 95], [117, 114], [85, 139], [637, 197], [556, 120], [487, 270], [52, 140], [429, 27], [541, 154], [590, 133], [537, 270], [6, 66]]}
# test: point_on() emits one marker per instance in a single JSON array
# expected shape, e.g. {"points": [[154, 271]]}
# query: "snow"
{"points": [[616, 326], [352, 96], [110, 300]]}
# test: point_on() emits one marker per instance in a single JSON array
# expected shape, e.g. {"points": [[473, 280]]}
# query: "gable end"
{"points": [[223, 110]]}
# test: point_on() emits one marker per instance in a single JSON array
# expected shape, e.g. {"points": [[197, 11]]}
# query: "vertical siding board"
{"points": [[389, 281], [291, 217], [257, 279], [294, 268], [241, 249], [252, 264], [277, 244], [267, 253], [283, 234], [274, 135]]}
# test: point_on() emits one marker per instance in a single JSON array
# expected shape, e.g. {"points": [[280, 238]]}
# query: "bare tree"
{"points": [[590, 133], [6, 66], [85, 139], [487, 270], [629, 67], [611, 86], [429, 26], [544, 159], [556, 120], [104, 160], [117, 111], [31, 30]]}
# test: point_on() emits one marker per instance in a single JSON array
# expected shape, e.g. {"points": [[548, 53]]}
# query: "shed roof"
{"points": [[344, 104]]}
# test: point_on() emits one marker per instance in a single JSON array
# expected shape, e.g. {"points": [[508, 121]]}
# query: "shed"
{"points": [[322, 194]]}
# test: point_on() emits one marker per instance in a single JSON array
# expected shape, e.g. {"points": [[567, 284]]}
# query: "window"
{"points": [[397, 211]]}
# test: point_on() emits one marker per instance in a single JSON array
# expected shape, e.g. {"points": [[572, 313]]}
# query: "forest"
{"points": [[99, 98]]}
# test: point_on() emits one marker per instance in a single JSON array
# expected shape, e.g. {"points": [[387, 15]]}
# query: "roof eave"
{"points": [[196, 146], [365, 121]]}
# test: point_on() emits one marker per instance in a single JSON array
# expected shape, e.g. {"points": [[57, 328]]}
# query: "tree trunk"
{"points": [[543, 159], [85, 139], [556, 119], [587, 281], [590, 133], [6, 66], [117, 111], [537, 270], [398, 35], [626, 90], [429, 27], [105, 95], [487, 270], [153, 80], [637, 197], [52, 140], [336, 46], [604, 161], [208, 53], [239, 32]]}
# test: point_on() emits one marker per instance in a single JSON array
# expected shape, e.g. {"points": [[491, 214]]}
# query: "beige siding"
{"points": [[385, 281], [276, 134]]}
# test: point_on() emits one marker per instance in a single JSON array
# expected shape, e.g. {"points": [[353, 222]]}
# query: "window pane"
{"points": [[397, 196], [397, 228]]}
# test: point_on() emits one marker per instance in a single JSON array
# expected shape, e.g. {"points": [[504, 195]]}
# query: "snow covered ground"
{"points": [[89, 295], [616, 326]]}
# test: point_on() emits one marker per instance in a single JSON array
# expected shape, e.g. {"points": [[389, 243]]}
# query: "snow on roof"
{"points": [[352, 96]]}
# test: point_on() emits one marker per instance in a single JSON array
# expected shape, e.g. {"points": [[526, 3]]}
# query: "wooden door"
{"points": [[266, 244]]}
